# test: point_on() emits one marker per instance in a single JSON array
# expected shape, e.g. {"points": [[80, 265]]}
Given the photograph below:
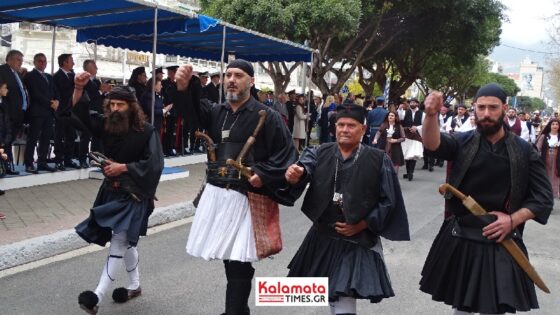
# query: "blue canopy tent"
{"points": [[143, 26], [130, 24]]}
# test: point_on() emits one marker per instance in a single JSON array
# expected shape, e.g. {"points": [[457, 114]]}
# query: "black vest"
{"points": [[359, 195], [410, 121]]}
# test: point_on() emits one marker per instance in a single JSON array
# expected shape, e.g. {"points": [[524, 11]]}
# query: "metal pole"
{"points": [[125, 56], [222, 65], [154, 52], [95, 51], [53, 49]]}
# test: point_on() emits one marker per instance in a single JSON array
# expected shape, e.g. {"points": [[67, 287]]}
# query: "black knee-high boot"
{"points": [[411, 164], [239, 277]]}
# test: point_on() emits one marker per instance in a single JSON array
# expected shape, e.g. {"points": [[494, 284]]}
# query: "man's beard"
{"points": [[236, 97], [413, 106], [118, 123], [491, 129]]}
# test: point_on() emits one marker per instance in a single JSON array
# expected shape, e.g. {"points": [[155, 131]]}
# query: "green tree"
{"points": [[509, 86], [529, 104]]}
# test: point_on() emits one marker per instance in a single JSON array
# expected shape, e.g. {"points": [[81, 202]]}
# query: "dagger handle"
{"points": [[454, 191]]}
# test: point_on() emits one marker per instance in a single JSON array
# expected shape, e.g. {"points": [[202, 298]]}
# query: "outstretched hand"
{"points": [[183, 77], [81, 79], [433, 103], [294, 173]]}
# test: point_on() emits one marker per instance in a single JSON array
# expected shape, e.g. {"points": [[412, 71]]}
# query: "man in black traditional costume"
{"points": [[466, 268], [354, 198], [126, 198], [224, 226]]}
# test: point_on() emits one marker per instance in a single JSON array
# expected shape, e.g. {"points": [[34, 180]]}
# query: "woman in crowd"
{"points": [[138, 80], [300, 120], [389, 137], [159, 109], [324, 118], [547, 145]]}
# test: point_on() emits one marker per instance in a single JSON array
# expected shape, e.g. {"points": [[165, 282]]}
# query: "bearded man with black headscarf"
{"points": [[466, 266], [126, 197]]}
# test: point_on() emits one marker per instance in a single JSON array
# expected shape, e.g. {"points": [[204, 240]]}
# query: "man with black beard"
{"points": [[126, 197], [466, 268], [513, 122], [223, 226]]}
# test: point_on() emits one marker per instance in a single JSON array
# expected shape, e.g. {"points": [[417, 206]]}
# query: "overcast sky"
{"points": [[528, 27], [528, 21]]}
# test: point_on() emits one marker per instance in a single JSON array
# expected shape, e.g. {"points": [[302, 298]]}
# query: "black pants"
{"points": [[40, 129], [64, 137], [83, 150], [239, 278], [16, 128], [429, 160], [410, 165]]}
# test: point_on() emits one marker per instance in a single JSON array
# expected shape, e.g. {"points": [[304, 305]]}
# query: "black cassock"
{"points": [[125, 202]]}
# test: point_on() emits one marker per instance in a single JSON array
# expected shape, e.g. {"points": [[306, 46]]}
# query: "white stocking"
{"points": [[117, 249], [344, 305], [131, 264]]}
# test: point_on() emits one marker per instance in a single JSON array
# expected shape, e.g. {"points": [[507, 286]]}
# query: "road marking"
{"points": [[85, 250]]}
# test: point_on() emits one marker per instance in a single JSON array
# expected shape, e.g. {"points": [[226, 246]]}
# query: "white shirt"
{"points": [[526, 133], [553, 141]]}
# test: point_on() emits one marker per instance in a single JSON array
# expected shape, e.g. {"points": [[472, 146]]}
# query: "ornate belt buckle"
{"points": [[222, 171]]}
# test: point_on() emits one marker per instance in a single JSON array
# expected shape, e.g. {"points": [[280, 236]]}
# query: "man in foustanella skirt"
{"points": [[224, 224], [126, 197], [364, 203], [466, 267]]}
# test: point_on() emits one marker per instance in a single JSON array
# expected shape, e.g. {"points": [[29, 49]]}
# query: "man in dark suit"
{"points": [[16, 99], [44, 101], [96, 91], [64, 132], [169, 88], [212, 90]]}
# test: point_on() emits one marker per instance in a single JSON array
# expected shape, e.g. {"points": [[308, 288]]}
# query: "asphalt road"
{"points": [[175, 283]]}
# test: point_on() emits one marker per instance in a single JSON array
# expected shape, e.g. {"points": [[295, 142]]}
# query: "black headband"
{"points": [[243, 65], [492, 89], [124, 93]]}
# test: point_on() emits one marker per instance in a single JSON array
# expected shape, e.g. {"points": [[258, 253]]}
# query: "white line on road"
{"points": [[85, 250]]}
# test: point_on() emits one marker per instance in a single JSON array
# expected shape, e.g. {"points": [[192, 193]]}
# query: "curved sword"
{"points": [[508, 244]]}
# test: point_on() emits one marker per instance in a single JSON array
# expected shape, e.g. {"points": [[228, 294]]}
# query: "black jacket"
{"points": [[65, 86], [41, 93], [14, 99]]}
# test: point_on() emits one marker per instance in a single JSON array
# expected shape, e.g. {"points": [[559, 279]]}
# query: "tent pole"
{"points": [[154, 53], [53, 47], [95, 51], [309, 100], [222, 65]]}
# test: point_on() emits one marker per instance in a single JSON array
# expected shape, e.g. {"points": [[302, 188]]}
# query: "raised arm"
{"points": [[430, 127]]}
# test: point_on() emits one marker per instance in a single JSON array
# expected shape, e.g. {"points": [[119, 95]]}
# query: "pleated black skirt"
{"points": [[475, 276], [115, 212], [353, 271]]}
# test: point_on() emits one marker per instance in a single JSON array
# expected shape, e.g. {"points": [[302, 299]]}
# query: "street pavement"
{"points": [[175, 283]]}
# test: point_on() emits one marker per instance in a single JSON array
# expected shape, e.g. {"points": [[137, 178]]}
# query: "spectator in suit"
{"points": [[212, 90], [43, 98], [159, 109], [16, 100], [96, 91], [64, 132]]}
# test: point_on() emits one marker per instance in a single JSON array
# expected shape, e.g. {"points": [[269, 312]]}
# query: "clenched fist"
{"points": [[81, 79], [183, 77], [294, 173], [433, 103]]}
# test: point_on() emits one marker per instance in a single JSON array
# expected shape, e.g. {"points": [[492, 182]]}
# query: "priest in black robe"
{"points": [[224, 225], [125, 200], [466, 268], [354, 198]]}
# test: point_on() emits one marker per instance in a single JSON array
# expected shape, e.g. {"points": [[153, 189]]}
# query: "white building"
{"points": [[530, 79]]}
